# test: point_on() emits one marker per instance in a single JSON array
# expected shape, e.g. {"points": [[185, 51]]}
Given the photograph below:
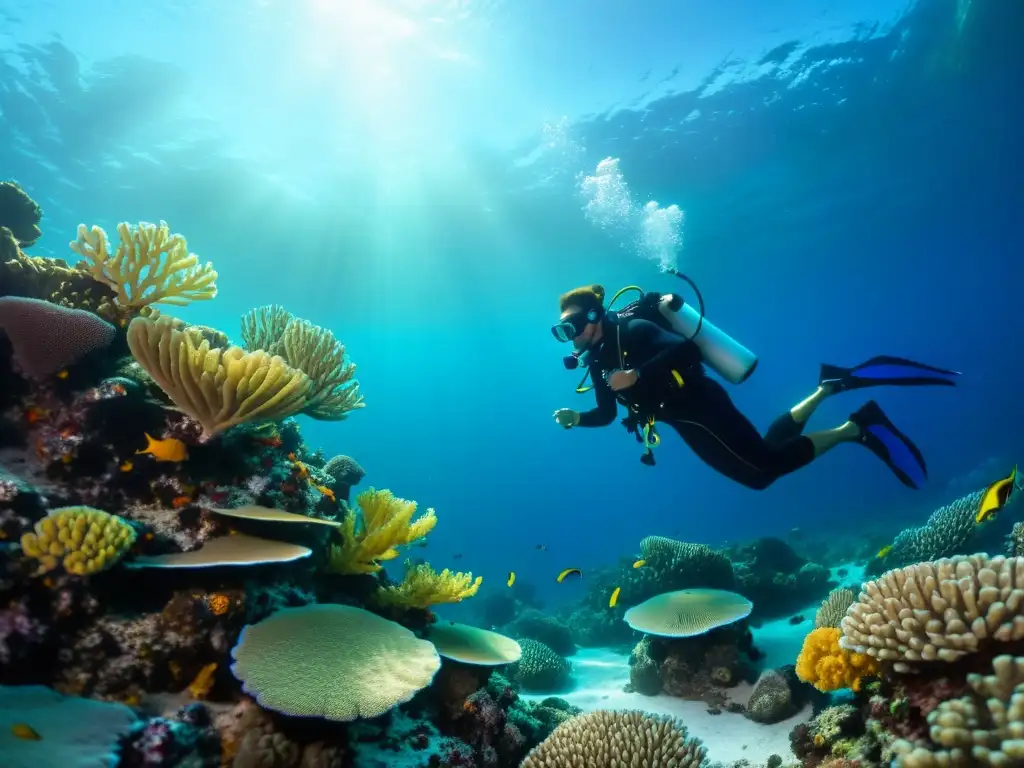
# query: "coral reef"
{"points": [[19, 213], [700, 668], [775, 578]]}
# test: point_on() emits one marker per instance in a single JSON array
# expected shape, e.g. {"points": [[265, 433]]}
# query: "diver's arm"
{"points": [[606, 409], [660, 350]]}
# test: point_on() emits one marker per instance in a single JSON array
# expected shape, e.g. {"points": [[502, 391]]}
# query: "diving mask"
{"points": [[572, 325]]}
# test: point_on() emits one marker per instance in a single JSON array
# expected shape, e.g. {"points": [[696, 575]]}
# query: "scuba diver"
{"points": [[650, 356]]}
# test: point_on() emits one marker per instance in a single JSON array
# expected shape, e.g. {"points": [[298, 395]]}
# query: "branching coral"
{"points": [[150, 266], [219, 388], [384, 523], [834, 607], [423, 587], [313, 350], [827, 666]]}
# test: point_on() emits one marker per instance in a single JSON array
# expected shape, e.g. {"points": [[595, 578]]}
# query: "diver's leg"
{"points": [[725, 439], [791, 424]]}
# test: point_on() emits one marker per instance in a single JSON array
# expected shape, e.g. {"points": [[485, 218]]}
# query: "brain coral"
{"points": [[47, 337], [604, 739], [937, 611], [540, 668], [332, 661], [983, 728]]}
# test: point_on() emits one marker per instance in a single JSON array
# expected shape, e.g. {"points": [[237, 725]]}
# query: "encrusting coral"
{"points": [[19, 213], [219, 388], [383, 523], [829, 667], [423, 587], [150, 266], [82, 539]]}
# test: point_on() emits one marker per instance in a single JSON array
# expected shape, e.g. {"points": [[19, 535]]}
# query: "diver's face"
{"points": [[588, 335]]}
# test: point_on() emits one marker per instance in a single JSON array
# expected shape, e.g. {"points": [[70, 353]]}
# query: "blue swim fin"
{"points": [[882, 438], [885, 370]]}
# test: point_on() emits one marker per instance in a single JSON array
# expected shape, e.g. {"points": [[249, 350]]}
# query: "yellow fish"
{"points": [[639, 563], [62, 375], [995, 497], [511, 578], [128, 466], [568, 572], [26, 732], [169, 449], [884, 551], [615, 597], [203, 682]]}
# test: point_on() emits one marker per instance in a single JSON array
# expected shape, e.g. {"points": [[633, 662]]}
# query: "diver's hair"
{"points": [[586, 297]]}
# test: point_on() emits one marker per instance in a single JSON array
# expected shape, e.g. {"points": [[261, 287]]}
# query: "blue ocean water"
{"points": [[414, 176]]}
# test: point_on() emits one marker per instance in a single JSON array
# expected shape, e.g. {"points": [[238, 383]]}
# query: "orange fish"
{"points": [[62, 375], [118, 389], [33, 414], [326, 492], [128, 466], [168, 449], [181, 501]]}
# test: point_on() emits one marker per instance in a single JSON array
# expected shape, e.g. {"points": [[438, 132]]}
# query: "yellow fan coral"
{"points": [[219, 388], [384, 523], [150, 266], [827, 666], [423, 587], [84, 540]]}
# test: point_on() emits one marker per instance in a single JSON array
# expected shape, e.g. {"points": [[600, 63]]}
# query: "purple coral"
{"points": [[47, 337]]}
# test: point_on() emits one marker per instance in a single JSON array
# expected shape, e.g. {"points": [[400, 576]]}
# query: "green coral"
{"points": [[540, 668]]}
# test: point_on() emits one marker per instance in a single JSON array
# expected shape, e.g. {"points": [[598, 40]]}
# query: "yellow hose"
{"points": [[582, 387]]}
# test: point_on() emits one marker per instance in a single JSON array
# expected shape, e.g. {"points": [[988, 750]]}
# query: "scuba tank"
{"points": [[723, 354]]}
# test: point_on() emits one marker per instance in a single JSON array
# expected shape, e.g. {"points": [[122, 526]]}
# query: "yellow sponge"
{"points": [[82, 539], [828, 667]]}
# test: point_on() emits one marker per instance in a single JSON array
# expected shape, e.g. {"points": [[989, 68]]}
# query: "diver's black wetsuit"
{"points": [[700, 410]]}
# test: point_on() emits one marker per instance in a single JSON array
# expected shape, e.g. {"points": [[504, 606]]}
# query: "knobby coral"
{"points": [[985, 727], [219, 388], [829, 667], [150, 265], [938, 611], [82, 539], [384, 523], [423, 587]]}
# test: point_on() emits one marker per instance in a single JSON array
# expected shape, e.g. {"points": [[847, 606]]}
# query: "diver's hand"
{"points": [[622, 380], [567, 417]]}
